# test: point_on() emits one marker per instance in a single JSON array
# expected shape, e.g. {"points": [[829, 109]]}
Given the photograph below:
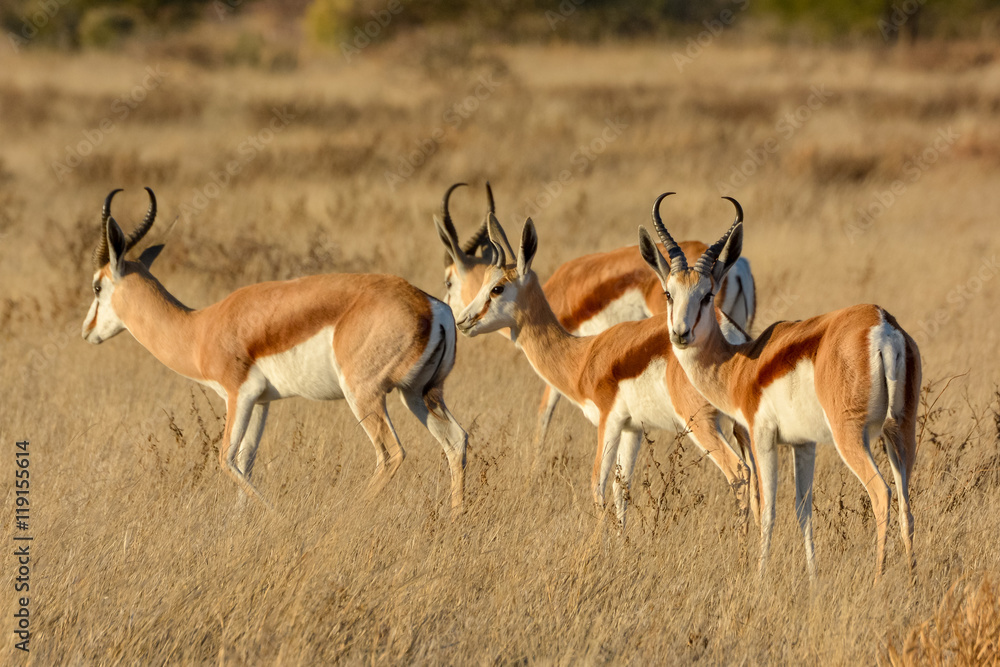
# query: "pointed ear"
{"points": [[116, 249], [150, 254], [452, 249], [653, 256], [529, 244], [730, 253]]}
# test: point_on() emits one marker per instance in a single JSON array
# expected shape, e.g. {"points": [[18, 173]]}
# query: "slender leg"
{"points": [[608, 435], [853, 445], [239, 410], [710, 430], [374, 419], [628, 450], [708, 433], [247, 453], [805, 465], [435, 416], [550, 398], [743, 440], [766, 456], [894, 448]]}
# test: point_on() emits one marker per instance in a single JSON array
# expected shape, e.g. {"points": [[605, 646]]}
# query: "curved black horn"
{"points": [[711, 255], [449, 228], [481, 237], [101, 254], [146, 223], [449, 225], [678, 262]]}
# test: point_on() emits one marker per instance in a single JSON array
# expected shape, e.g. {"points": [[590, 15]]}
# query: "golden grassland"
{"points": [[139, 554]]}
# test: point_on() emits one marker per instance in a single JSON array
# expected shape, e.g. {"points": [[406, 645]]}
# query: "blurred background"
{"points": [[271, 33], [303, 137]]}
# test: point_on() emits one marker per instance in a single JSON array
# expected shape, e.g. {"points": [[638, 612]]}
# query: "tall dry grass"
{"points": [[139, 555]]}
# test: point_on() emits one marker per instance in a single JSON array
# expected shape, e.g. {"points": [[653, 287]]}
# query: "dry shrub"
{"points": [[964, 632], [734, 108], [127, 167], [23, 108], [844, 165], [937, 105], [316, 112], [946, 56], [531, 572]]}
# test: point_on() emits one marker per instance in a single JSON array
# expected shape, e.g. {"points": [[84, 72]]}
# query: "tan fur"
{"points": [[381, 326], [734, 377], [591, 368], [581, 288]]}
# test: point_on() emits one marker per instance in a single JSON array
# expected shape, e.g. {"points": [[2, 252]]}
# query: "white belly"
{"points": [[309, 370], [629, 307], [646, 400], [791, 404]]}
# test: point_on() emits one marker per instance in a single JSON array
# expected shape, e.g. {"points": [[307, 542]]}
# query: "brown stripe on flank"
{"points": [[599, 296], [581, 289], [781, 364]]}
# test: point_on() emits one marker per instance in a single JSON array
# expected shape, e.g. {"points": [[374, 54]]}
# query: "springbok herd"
{"points": [[636, 338]]}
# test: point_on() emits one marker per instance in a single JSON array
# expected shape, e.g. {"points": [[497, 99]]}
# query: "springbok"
{"points": [[625, 379], [587, 294], [324, 337], [844, 377]]}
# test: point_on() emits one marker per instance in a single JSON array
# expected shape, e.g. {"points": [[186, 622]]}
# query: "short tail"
{"points": [[442, 359], [901, 369]]}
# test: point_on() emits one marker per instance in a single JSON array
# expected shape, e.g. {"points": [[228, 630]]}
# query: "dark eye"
{"points": [[670, 299], [447, 284], [708, 297], [97, 288], [497, 290]]}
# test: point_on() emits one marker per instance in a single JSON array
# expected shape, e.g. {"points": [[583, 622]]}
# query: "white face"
{"points": [[690, 307], [493, 307], [102, 321]]}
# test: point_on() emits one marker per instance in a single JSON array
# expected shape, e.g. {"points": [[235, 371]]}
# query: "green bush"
{"points": [[105, 27], [328, 21]]}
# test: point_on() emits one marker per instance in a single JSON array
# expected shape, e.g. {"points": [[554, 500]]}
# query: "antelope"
{"points": [[624, 379], [588, 294], [324, 337], [844, 377]]}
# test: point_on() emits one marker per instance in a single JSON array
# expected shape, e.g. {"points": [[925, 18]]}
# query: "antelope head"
{"points": [[498, 301], [690, 293], [463, 270], [111, 267]]}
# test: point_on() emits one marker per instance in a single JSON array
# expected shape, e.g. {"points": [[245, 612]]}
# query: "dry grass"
{"points": [[139, 557]]}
